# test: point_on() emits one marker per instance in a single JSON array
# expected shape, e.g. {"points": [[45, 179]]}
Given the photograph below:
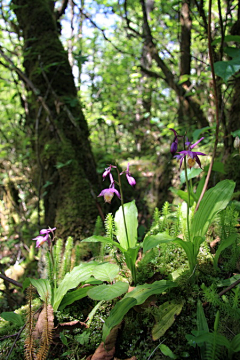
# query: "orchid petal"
{"points": [[197, 142]]}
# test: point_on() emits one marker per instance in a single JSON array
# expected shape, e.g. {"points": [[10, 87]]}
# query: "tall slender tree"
{"points": [[64, 170]]}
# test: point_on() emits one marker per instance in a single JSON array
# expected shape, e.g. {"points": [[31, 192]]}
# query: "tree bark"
{"points": [[65, 170]]}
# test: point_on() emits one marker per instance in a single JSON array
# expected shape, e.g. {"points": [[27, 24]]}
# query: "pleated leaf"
{"points": [[165, 318], [135, 297], [108, 292], [214, 200], [131, 215]]}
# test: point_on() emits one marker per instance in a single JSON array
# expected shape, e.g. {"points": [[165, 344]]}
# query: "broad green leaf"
{"points": [[223, 245], [71, 280], [108, 292], [213, 338], [191, 173], [105, 240], [152, 241], [236, 133], [202, 324], [184, 196], [131, 256], [188, 247], [217, 166], [73, 296], [135, 297], [165, 318], [232, 51], [43, 288], [214, 200], [228, 282], [131, 215], [12, 317], [226, 69], [235, 343], [196, 134], [200, 186], [235, 38], [106, 272], [166, 351]]}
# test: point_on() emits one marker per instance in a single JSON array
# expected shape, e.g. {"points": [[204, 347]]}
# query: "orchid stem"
{"points": [[188, 202]]}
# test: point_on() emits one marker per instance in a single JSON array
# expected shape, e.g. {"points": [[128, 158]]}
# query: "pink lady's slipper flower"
{"points": [[108, 193], [48, 234], [130, 179], [191, 156]]}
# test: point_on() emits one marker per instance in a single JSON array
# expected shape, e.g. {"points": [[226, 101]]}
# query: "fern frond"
{"points": [[98, 230], [57, 255], [109, 226], [66, 266], [46, 336], [29, 341]]}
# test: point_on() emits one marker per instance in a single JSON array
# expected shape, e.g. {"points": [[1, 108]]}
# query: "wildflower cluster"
{"points": [[109, 192], [191, 156], [48, 235]]}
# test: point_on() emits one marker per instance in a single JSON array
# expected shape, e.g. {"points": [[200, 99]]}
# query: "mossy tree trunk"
{"points": [[65, 170]]}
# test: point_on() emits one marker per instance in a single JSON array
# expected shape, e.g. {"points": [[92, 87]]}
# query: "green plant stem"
{"points": [[188, 202], [53, 265]]}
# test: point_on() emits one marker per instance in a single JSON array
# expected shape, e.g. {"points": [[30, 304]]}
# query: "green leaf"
{"points": [[131, 215], [105, 240], [135, 297], [228, 282], [235, 38], [73, 296], [223, 245], [217, 166], [108, 292], [59, 165], [184, 196], [152, 241], [232, 52], [12, 317], [71, 280], [236, 133], [43, 288], [226, 69], [214, 200], [165, 318], [106, 272], [166, 351], [191, 173], [235, 343]]}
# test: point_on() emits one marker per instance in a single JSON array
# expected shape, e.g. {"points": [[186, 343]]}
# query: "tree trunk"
{"points": [[65, 173]]}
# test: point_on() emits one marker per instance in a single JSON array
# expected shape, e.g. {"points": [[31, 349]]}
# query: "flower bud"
{"points": [[236, 143]]}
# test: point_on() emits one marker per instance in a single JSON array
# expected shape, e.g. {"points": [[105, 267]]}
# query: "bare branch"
{"points": [[61, 11], [87, 16]]}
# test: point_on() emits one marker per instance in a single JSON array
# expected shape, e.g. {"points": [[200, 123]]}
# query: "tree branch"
{"points": [[61, 11]]}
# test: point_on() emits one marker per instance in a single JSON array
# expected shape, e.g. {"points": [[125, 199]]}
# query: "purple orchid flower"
{"points": [[108, 193], [48, 233], [174, 145], [130, 179], [192, 156]]}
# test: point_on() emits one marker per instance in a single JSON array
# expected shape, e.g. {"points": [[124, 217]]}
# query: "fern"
{"points": [[57, 255], [50, 270], [98, 230], [66, 266], [29, 342], [109, 226]]}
